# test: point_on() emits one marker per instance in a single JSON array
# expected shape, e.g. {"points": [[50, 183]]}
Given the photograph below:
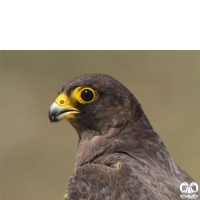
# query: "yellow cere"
{"points": [[77, 94], [67, 104], [62, 100]]}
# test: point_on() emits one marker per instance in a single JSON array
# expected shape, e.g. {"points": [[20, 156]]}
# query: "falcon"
{"points": [[119, 156]]}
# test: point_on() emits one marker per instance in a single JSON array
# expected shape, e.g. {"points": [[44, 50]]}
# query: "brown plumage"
{"points": [[119, 155]]}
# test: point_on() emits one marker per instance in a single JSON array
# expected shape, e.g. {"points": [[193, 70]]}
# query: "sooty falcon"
{"points": [[119, 156]]}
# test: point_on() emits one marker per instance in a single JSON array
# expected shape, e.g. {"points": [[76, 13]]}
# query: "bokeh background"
{"points": [[37, 157]]}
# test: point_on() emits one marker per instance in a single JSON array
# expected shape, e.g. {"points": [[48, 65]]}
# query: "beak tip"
{"points": [[50, 117], [56, 112]]}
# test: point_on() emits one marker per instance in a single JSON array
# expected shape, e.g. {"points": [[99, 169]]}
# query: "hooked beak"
{"points": [[61, 109]]}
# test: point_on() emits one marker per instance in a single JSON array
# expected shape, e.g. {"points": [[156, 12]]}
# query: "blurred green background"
{"points": [[37, 157]]}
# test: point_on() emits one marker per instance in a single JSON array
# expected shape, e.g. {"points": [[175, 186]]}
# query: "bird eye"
{"points": [[84, 94], [87, 95]]}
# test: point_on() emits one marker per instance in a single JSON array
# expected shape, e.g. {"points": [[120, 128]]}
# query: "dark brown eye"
{"points": [[87, 95]]}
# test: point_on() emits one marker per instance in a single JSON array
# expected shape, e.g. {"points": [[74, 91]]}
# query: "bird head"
{"points": [[95, 102]]}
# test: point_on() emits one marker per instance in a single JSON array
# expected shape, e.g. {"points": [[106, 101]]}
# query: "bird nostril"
{"points": [[62, 102]]}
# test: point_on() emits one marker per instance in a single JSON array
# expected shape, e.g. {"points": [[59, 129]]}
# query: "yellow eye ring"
{"points": [[84, 94]]}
